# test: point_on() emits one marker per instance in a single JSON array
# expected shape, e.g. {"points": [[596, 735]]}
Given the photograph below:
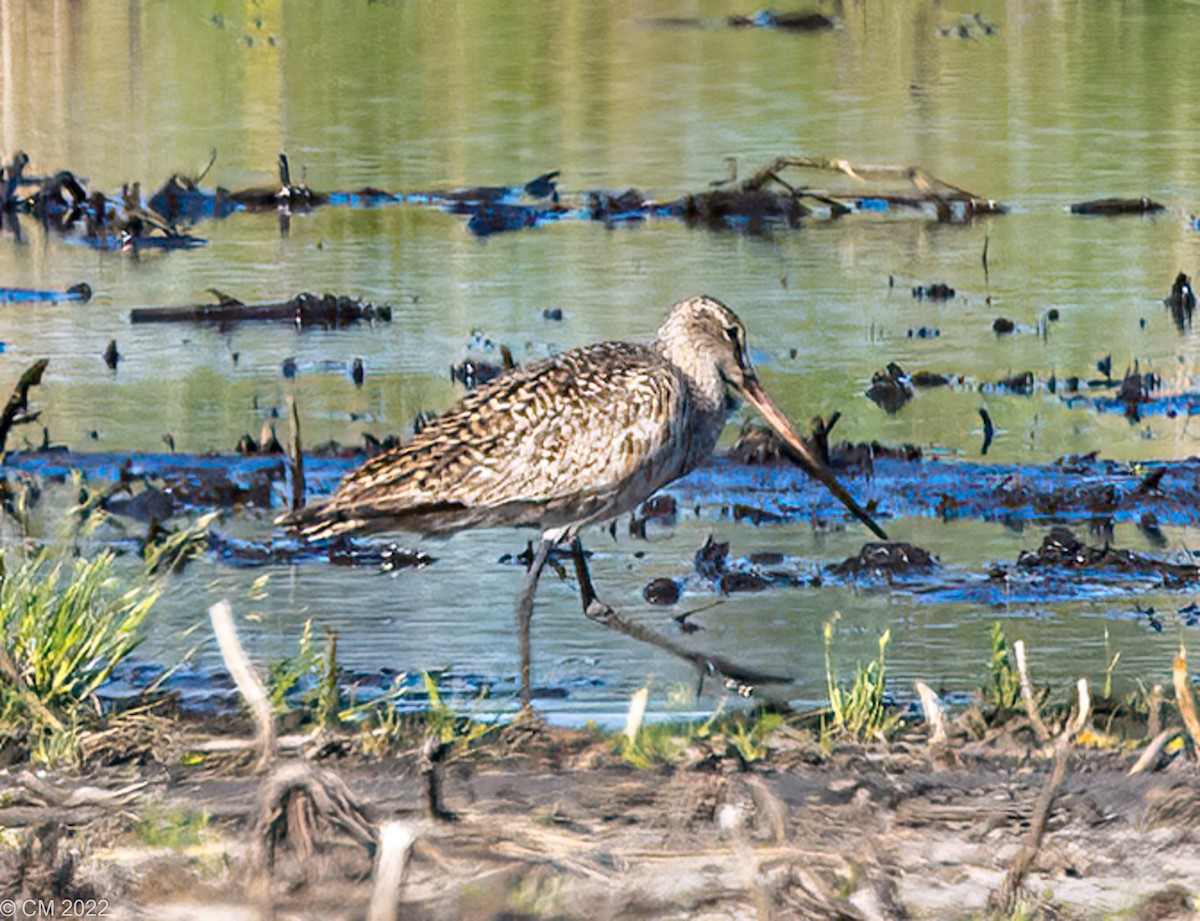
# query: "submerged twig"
{"points": [[819, 435], [297, 457], [989, 431]]}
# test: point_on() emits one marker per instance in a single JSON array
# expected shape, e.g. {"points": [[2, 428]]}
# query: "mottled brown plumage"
{"points": [[578, 438]]}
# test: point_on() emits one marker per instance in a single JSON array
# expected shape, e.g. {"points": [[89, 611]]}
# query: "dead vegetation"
{"points": [[780, 194], [1017, 806], [842, 185], [558, 824]]}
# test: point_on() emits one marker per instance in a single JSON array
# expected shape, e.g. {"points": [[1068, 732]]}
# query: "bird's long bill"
{"points": [[802, 453]]}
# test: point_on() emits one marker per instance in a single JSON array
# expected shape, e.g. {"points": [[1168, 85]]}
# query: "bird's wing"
{"points": [[568, 437]]}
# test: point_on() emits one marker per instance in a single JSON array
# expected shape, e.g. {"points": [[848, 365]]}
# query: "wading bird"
{"points": [[576, 439]]}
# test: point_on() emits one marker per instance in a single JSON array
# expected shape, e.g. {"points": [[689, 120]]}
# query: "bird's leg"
{"points": [[597, 610], [525, 610], [592, 606]]}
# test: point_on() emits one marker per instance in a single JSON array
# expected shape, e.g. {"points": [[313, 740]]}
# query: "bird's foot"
{"points": [[598, 611]]}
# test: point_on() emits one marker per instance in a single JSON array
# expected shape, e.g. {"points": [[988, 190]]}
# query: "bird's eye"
{"points": [[734, 334]]}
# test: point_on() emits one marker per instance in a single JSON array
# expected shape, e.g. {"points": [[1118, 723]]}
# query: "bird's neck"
{"points": [[707, 404], [706, 387]]}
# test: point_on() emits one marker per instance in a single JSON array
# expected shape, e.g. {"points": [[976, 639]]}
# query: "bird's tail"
{"points": [[333, 518], [318, 521]]}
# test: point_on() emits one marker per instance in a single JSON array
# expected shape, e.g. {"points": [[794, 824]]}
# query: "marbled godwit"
{"points": [[579, 438]]}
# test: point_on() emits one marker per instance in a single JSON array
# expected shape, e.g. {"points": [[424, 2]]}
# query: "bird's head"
{"points": [[703, 338]]}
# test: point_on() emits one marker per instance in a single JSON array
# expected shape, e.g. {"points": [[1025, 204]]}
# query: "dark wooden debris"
{"points": [[296, 457], [886, 559], [1181, 302], [1108, 207], [779, 195], [475, 371], [758, 445], [755, 209], [12, 177], [712, 559], [341, 551], [936, 291], [756, 516], [1062, 549], [869, 187], [305, 311], [819, 431], [797, 21], [989, 431], [968, 26], [927, 380], [16, 411], [80, 293], [890, 389], [63, 202], [662, 592]]}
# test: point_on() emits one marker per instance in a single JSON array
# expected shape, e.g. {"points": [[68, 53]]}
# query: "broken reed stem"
{"points": [[636, 715], [18, 402], [1005, 898], [1154, 721], [1149, 757], [935, 716], [297, 457], [1184, 699], [247, 682], [396, 842], [1039, 728]]}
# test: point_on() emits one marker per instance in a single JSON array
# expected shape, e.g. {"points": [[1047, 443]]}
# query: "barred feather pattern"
{"points": [[578, 438]]}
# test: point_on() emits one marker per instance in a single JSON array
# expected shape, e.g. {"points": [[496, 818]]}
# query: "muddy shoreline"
{"points": [[553, 823]]}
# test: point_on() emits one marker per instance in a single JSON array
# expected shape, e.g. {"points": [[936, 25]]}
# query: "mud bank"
{"points": [[554, 824]]}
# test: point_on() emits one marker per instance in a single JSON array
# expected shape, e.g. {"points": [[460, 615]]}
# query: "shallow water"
{"points": [[1067, 101]]}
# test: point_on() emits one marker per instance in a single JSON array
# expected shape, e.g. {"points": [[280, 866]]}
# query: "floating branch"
{"points": [[874, 187], [305, 311]]}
